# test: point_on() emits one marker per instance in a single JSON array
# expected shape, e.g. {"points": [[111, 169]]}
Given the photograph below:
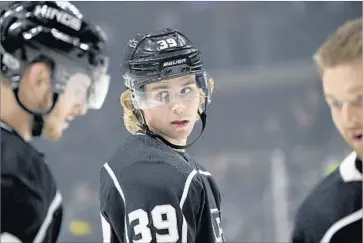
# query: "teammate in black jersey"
{"points": [[53, 69], [151, 189], [332, 212]]}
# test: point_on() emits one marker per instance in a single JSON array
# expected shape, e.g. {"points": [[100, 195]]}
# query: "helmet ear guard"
{"points": [[204, 82]]}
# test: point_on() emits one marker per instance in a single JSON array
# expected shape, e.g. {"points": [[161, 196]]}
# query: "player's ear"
{"points": [[35, 87], [39, 77]]}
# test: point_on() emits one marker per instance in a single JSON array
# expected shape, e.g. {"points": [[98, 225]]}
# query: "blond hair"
{"points": [[129, 118], [343, 46], [4, 83]]}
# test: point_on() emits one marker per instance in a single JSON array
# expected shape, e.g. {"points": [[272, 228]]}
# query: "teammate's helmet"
{"points": [[55, 33], [166, 54]]}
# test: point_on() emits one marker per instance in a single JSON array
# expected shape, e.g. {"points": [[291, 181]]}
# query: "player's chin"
{"points": [[358, 149], [53, 134], [180, 134], [355, 144]]}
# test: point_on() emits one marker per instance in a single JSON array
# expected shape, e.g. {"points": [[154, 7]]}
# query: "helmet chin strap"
{"points": [[38, 121], [145, 128], [203, 117]]}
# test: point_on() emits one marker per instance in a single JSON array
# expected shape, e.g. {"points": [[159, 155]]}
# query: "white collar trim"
{"points": [[348, 170]]}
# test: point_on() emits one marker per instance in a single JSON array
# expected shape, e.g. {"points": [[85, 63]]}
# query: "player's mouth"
{"points": [[67, 121], [180, 123]]}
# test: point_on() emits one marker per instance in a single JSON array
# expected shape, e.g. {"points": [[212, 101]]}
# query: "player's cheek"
{"points": [[338, 122], [360, 113]]}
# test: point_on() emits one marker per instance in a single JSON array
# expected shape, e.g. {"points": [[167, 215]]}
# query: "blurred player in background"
{"points": [[332, 212], [151, 189], [53, 69]]}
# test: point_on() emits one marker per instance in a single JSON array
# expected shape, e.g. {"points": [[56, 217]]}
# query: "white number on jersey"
{"points": [[168, 222], [167, 43]]}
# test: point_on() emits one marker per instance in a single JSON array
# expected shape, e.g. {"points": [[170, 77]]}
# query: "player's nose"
{"points": [[79, 110], [178, 108]]}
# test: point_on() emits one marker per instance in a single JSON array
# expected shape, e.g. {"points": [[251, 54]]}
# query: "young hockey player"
{"points": [[152, 190]]}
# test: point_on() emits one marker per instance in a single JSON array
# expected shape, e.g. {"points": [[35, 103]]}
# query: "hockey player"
{"points": [[53, 68], [152, 190], [332, 212]]}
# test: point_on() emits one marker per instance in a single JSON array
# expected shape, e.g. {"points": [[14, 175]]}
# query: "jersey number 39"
{"points": [[163, 218]]}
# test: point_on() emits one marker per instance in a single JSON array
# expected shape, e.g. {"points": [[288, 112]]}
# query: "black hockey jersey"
{"points": [[31, 208], [150, 193], [332, 212]]}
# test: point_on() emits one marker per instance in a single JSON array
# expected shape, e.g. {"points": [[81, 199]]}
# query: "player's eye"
{"points": [[336, 104], [186, 90], [163, 96], [78, 92], [358, 102]]}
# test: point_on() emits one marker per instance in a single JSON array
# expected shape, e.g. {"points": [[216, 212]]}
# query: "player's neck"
{"points": [[181, 142], [12, 114], [178, 142]]}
